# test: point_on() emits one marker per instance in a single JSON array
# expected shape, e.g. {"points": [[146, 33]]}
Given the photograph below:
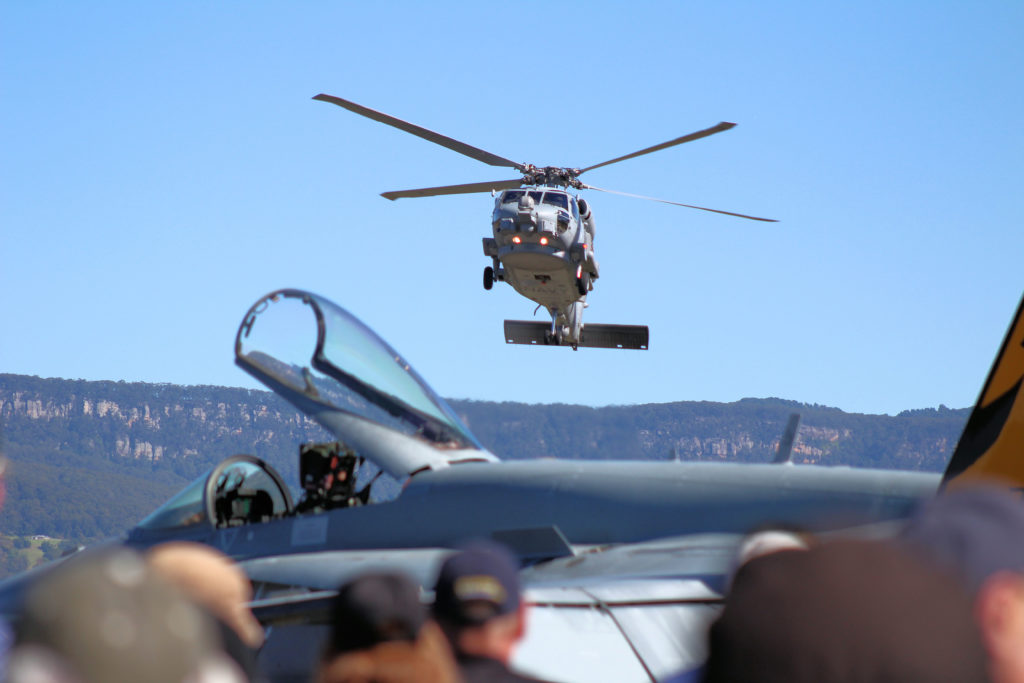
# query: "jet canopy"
{"points": [[338, 371], [240, 490]]}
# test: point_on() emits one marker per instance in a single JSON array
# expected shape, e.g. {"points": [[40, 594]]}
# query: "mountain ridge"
{"points": [[88, 459]]}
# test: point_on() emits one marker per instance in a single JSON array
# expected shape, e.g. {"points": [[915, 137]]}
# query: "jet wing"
{"points": [[632, 612], [325, 571], [622, 631]]}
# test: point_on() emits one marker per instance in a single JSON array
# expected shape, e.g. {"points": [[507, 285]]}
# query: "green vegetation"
{"points": [[745, 431], [90, 459], [19, 553]]}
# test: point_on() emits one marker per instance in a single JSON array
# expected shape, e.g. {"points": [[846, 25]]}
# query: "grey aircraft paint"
{"points": [[623, 562]]}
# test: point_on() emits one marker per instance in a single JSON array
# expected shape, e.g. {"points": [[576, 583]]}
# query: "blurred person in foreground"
{"points": [[104, 616], [380, 633], [844, 611], [759, 543], [765, 542], [215, 582], [978, 535], [478, 604]]}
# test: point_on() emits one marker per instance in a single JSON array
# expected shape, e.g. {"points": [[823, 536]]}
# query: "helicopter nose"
{"points": [[527, 217]]}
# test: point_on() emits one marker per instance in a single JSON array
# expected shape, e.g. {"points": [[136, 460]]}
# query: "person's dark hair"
{"points": [[844, 611], [373, 609]]}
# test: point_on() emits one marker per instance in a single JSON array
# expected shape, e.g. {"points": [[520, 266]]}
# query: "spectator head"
{"points": [[477, 601], [213, 581], [375, 608], [765, 542], [380, 632], [844, 611], [976, 534], [972, 532], [104, 616], [476, 584]]}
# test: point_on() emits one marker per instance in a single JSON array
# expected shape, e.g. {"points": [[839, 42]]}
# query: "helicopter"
{"points": [[543, 243]]}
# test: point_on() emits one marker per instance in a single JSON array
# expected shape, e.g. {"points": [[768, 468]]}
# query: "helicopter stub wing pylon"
{"points": [[594, 335]]}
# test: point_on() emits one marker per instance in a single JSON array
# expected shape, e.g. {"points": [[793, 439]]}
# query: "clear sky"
{"points": [[162, 166]]}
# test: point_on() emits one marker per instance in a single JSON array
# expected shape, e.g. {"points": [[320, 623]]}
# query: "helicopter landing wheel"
{"points": [[488, 277], [583, 284]]}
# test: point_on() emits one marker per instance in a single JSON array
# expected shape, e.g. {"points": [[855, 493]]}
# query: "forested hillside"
{"points": [[89, 459]]}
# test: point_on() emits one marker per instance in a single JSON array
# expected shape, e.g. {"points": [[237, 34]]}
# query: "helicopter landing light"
{"points": [[517, 239], [543, 241]]}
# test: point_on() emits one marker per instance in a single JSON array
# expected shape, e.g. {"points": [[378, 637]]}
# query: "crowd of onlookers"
{"points": [[941, 601], [180, 613]]}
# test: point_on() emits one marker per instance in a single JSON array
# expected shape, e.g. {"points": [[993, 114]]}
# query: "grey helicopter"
{"points": [[543, 243]]}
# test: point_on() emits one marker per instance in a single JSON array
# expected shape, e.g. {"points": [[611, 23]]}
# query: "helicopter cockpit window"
{"points": [[556, 199], [511, 196], [535, 195], [574, 208]]}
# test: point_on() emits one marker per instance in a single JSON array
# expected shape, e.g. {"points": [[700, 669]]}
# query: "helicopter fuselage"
{"points": [[543, 242], [543, 246]]}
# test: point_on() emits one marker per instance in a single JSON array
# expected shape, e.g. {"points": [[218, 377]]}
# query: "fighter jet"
{"points": [[624, 563]]}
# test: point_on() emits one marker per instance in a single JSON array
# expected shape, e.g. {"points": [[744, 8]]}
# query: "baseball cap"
{"points": [[476, 584], [375, 608], [973, 532]]}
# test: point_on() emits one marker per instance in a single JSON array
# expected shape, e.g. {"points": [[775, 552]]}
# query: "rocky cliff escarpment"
{"points": [[89, 459]]}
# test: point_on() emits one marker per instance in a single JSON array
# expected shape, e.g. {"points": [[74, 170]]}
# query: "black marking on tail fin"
{"points": [[992, 444], [981, 431]]}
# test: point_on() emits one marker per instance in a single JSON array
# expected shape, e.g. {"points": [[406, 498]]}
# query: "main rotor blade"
{"points": [[689, 206], [454, 189], [436, 138], [724, 125]]}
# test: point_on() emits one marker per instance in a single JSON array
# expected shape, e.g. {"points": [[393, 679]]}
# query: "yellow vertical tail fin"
{"points": [[991, 447]]}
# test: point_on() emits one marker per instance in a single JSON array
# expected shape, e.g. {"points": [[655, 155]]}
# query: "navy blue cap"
{"points": [[973, 532], [476, 584], [375, 608]]}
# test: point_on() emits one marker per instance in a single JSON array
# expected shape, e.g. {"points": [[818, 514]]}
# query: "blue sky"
{"points": [[162, 166]]}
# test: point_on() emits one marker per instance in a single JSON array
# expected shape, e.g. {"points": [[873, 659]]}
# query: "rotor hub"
{"points": [[552, 175]]}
